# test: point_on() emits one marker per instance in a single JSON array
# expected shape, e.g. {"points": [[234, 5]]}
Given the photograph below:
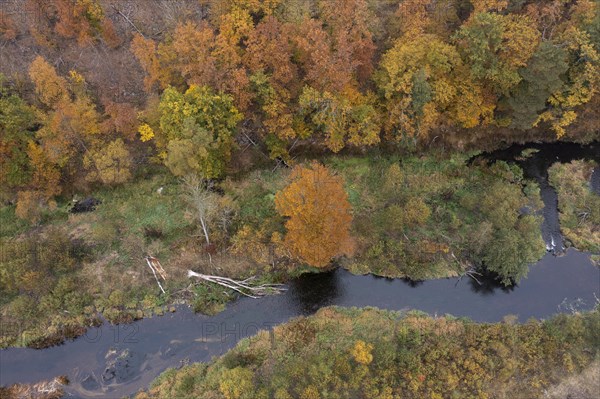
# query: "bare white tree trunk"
{"points": [[202, 201], [204, 229], [155, 266], [245, 287]]}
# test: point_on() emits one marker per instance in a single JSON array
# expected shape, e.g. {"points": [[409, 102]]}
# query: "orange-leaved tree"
{"points": [[317, 206]]}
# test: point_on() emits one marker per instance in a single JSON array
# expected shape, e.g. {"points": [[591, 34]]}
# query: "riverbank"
{"points": [[578, 205], [42, 390], [415, 217], [113, 360], [379, 354], [354, 352]]}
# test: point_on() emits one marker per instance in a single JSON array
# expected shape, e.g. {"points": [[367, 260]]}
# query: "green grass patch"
{"points": [[416, 217]]}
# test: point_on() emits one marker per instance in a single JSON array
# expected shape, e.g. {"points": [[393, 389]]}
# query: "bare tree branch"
{"points": [[245, 287], [154, 265], [201, 200], [128, 20]]}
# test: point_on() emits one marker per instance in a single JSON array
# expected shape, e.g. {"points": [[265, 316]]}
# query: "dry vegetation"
{"points": [[41, 390], [368, 353], [584, 385]]}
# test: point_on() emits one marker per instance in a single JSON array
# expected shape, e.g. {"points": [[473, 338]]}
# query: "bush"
{"points": [[348, 353], [579, 207], [428, 215]]}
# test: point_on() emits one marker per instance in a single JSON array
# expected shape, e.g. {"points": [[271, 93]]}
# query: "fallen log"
{"points": [[246, 287], [155, 266]]}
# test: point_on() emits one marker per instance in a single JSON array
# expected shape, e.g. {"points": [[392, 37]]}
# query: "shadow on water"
{"points": [[114, 361], [314, 291], [412, 283], [535, 159], [407, 281], [487, 283], [595, 180]]}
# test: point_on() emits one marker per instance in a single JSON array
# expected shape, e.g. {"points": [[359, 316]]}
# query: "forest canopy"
{"points": [[280, 75]]}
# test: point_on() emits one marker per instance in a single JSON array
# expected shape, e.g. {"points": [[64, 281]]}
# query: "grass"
{"points": [[105, 248], [10, 225], [416, 217]]}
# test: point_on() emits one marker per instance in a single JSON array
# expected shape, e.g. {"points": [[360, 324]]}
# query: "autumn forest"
{"points": [[157, 153]]}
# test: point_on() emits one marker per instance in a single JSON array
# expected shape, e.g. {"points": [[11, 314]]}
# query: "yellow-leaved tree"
{"points": [[49, 86], [318, 211], [361, 352], [110, 164], [424, 81]]}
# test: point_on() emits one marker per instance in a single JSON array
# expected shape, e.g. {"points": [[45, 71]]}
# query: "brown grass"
{"points": [[585, 385], [42, 390]]}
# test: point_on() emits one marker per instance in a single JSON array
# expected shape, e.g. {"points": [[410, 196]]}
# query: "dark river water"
{"points": [[535, 167], [113, 361]]}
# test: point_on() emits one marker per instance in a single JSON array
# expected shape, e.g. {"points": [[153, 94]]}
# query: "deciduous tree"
{"points": [[72, 128], [361, 352], [422, 78], [197, 129], [194, 46], [110, 164], [44, 184], [495, 46], [348, 117], [540, 79], [121, 120], [317, 206], [323, 67], [269, 49], [202, 202], [349, 23], [83, 20], [582, 80], [157, 74], [80, 19], [8, 28], [17, 120], [49, 86], [274, 81]]}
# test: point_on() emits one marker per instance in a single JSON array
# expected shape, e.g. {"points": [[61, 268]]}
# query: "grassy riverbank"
{"points": [[415, 217], [432, 216], [579, 207], [355, 353]]}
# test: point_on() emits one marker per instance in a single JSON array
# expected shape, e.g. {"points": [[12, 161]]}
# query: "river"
{"points": [[113, 361]]}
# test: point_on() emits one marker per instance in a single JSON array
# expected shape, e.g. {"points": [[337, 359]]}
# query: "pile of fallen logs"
{"points": [[248, 287]]}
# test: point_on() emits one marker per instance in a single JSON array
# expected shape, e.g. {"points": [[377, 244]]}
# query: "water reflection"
{"points": [[487, 283], [595, 180], [120, 366], [412, 283], [535, 166], [555, 284], [313, 291]]}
